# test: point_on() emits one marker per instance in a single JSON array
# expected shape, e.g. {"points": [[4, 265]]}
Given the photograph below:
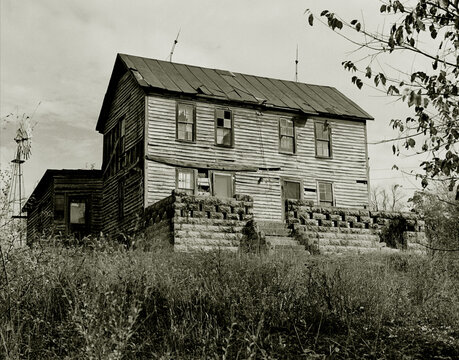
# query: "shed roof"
{"points": [[49, 176], [163, 76]]}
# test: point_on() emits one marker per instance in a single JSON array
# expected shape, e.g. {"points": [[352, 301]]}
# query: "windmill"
{"points": [[23, 141]]}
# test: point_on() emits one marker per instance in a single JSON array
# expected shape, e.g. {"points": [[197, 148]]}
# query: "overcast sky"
{"points": [[60, 53]]}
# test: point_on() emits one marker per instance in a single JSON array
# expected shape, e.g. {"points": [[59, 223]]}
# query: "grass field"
{"points": [[112, 303]]}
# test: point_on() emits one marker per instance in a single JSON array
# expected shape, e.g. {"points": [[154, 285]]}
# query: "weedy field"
{"points": [[107, 302]]}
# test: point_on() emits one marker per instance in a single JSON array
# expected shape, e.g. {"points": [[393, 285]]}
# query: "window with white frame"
{"points": [[186, 125], [323, 139], [286, 136], [224, 127], [185, 180]]}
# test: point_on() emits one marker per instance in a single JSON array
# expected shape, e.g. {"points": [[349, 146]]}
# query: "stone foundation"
{"points": [[191, 222], [329, 229]]}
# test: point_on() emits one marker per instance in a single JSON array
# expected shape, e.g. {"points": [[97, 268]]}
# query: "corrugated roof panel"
{"points": [[155, 68], [332, 106], [271, 98], [176, 77], [300, 102], [206, 81], [311, 99], [140, 65], [287, 100], [223, 84]]}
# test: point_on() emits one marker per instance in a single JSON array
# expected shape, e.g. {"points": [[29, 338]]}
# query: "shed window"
{"points": [[323, 139], [185, 122], [325, 193], [223, 185], [224, 127], [286, 136], [59, 208], [78, 212], [185, 180]]}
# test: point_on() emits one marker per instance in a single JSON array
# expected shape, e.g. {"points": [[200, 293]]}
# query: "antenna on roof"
{"points": [[296, 64], [173, 45]]}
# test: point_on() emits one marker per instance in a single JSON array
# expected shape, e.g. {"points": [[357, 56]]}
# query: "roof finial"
{"points": [[296, 64], [173, 45]]}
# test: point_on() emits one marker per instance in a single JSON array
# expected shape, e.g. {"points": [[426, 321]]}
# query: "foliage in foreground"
{"points": [[113, 303]]}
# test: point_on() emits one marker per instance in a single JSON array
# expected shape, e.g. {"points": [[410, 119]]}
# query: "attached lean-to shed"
{"points": [[66, 202]]}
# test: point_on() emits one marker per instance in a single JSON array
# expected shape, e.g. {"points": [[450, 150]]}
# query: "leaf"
{"points": [[368, 73], [311, 19]]}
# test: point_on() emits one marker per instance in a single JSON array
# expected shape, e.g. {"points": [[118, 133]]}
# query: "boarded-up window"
{"points": [[78, 212], [323, 139], [292, 190], [185, 122], [286, 136], [325, 193], [59, 208], [224, 127], [223, 185], [185, 180]]}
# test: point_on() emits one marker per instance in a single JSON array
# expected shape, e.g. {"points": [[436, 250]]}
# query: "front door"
{"points": [[291, 190]]}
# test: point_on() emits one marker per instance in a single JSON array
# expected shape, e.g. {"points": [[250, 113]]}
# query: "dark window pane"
{"points": [[223, 186], [59, 207], [292, 190]]}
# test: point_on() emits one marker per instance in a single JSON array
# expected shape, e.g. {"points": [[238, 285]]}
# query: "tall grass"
{"points": [[112, 303]]}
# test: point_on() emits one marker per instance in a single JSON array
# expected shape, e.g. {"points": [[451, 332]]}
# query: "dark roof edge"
{"points": [[51, 173]]}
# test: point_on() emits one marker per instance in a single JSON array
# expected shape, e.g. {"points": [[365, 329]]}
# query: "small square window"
{"points": [[224, 127], [325, 193], [185, 122]]}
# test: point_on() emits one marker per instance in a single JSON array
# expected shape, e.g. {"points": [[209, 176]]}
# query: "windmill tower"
{"points": [[16, 195]]}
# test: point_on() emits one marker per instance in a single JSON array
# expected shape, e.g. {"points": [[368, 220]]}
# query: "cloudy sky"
{"points": [[60, 53]]}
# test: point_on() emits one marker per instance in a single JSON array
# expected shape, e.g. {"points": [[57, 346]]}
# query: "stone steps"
{"points": [[279, 238]]}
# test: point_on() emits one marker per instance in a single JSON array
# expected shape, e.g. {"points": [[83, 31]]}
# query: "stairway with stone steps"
{"points": [[279, 238]]}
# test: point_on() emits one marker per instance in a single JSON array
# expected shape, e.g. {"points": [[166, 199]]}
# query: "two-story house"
{"points": [[216, 133]]}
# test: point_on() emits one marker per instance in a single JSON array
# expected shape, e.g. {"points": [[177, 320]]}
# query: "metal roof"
{"points": [[227, 85]]}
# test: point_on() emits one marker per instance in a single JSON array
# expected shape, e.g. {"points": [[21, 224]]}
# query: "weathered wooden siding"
{"points": [[128, 100], [256, 143], [40, 217], [87, 188]]}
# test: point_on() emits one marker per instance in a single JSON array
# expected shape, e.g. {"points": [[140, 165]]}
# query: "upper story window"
{"points": [[224, 127], [186, 122], [286, 136], [323, 139], [185, 180], [325, 193]]}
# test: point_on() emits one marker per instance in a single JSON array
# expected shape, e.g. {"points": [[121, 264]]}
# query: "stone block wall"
{"points": [[190, 222], [329, 229]]}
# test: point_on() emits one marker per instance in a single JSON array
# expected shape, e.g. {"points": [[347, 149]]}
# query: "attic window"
{"points": [[224, 127], [186, 122]]}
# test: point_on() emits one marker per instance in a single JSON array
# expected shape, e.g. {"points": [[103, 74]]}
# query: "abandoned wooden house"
{"points": [[192, 153], [65, 202]]}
